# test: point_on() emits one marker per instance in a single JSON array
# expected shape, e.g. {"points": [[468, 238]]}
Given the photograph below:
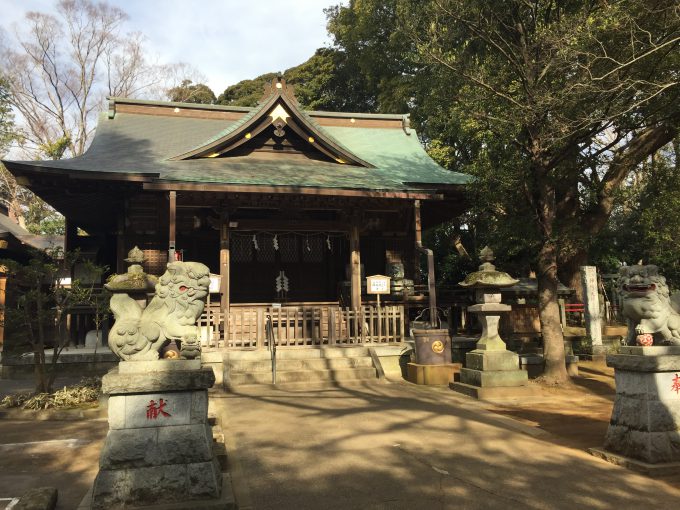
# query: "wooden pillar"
{"points": [[172, 225], [3, 289], [120, 243], [355, 266], [71, 234], [224, 270]]}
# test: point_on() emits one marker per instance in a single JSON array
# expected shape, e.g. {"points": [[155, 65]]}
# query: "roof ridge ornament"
{"points": [[278, 86]]}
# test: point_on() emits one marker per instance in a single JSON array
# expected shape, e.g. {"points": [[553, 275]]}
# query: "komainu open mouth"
{"points": [[640, 289]]}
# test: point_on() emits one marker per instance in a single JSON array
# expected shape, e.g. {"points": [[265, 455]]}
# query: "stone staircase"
{"points": [[299, 365]]}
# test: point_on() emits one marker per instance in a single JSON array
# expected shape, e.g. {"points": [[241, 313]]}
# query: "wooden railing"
{"points": [[302, 325]]}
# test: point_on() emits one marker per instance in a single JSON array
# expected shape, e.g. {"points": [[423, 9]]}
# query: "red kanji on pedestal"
{"points": [[153, 410], [676, 384]]}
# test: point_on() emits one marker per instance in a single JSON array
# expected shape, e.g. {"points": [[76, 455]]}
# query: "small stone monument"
{"points": [[491, 370], [159, 449]]}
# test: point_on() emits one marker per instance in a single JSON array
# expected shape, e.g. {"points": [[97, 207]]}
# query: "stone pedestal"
{"points": [[490, 370], [644, 430], [432, 375], [159, 448]]}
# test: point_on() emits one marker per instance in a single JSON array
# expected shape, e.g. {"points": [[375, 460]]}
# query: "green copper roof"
{"points": [[135, 143]]}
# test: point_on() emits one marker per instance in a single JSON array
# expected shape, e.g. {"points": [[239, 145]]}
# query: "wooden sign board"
{"points": [[378, 284]]}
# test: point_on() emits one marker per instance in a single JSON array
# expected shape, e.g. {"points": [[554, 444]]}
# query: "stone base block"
{"points": [[494, 393], [179, 379], [432, 375], [226, 501], [124, 488], [494, 378], [533, 364], [662, 469], [460, 346], [492, 360]]}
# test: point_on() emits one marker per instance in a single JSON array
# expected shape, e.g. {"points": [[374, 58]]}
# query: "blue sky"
{"points": [[226, 40]]}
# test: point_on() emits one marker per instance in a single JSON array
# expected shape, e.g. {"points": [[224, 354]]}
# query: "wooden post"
{"points": [[260, 329], [172, 225], [331, 326], [71, 234], [224, 271], [355, 266], [120, 244], [3, 293]]}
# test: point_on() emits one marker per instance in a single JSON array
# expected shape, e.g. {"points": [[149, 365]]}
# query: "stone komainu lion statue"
{"points": [[171, 315], [648, 306]]}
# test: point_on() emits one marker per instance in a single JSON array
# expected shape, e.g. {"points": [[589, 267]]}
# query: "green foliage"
{"points": [[644, 226], [189, 92], [246, 92], [41, 301], [42, 219], [56, 148]]}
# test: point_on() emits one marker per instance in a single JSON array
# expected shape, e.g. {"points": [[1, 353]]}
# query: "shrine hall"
{"points": [[290, 209]]}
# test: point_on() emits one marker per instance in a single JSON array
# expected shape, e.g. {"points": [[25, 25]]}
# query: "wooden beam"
{"points": [[287, 225], [355, 266], [292, 190], [172, 225], [224, 270]]}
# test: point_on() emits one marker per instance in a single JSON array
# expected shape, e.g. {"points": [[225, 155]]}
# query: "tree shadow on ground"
{"points": [[392, 446]]}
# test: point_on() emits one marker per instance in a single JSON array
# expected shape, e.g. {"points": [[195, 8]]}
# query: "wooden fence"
{"points": [[301, 325]]}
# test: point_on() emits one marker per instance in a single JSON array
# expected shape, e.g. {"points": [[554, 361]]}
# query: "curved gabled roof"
{"points": [[172, 142]]}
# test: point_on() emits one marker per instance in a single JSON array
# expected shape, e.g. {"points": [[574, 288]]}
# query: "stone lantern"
{"points": [[490, 369], [135, 283]]}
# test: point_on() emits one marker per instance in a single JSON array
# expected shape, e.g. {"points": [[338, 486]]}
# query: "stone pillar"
{"points": [[644, 430], [591, 304], [159, 448]]}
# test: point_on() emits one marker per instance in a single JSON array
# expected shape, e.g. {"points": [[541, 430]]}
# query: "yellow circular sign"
{"points": [[438, 346]]}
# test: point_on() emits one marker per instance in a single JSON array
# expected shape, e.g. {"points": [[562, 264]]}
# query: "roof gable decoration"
{"points": [[279, 109]]}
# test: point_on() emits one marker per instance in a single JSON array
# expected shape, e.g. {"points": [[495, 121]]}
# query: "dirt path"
{"points": [[61, 454], [576, 417]]}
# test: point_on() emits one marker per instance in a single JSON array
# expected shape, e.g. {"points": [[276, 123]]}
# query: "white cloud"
{"points": [[227, 40]]}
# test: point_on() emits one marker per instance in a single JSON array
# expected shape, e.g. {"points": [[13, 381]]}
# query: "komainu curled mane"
{"points": [[171, 315], [648, 306]]}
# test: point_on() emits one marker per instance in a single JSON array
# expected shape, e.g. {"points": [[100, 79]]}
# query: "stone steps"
{"points": [[299, 365], [283, 365], [299, 353], [297, 376]]}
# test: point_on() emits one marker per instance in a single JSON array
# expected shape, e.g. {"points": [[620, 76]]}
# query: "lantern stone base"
{"points": [[645, 424], [159, 448], [492, 374], [432, 375]]}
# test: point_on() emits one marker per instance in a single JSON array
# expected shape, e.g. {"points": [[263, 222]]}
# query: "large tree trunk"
{"points": [[555, 370], [570, 272], [549, 313]]}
